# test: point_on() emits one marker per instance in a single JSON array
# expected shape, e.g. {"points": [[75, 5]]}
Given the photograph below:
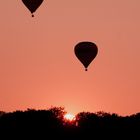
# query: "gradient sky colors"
{"points": [[38, 68]]}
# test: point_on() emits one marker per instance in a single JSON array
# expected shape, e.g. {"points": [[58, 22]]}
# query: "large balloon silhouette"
{"points": [[32, 5], [86, 52]]}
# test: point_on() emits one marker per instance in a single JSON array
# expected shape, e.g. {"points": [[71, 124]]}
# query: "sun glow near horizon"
{"points": [[69, 117]]}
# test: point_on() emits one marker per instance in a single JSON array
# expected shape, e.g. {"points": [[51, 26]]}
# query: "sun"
{"points": [[69, 117]]}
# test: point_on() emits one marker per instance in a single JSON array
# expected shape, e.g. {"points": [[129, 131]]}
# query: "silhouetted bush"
{"points": [[50, 123]]}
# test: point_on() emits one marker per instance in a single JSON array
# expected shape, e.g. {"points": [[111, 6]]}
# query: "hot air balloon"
{"points": [[32, 5], [86, 52]]}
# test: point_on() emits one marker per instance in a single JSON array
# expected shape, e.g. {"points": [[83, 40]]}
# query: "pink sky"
{"points": [[38, 68]]}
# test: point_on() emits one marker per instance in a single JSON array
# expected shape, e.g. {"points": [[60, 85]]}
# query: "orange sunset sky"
{"points": [[38, 67]]}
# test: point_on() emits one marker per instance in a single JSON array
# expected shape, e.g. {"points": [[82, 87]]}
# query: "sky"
{"points": [[38, 67]]}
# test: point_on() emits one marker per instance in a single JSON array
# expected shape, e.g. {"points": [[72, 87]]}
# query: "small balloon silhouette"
{"points": [[86, 52], [32, 5]]}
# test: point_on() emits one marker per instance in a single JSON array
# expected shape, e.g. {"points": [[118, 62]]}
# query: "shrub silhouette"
{"points": [[51, 124]]}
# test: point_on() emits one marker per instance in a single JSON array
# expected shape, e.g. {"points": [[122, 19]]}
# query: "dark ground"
{"points": [[51, 125]]}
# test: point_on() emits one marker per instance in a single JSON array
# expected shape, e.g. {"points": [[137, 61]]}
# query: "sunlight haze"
{"points": [[38, 67]]}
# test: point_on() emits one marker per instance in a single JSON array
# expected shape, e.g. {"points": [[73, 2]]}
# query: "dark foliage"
{"points": [[50, 124]]}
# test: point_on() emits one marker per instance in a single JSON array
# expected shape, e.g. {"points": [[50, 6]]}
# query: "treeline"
{"points": [[51, 124]]}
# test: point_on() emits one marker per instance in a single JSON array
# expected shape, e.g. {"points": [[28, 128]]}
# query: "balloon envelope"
{"points": [[86, 52], [32, 5]]}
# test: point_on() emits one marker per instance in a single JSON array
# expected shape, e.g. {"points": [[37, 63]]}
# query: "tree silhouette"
{"points": [[51, 124]]}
